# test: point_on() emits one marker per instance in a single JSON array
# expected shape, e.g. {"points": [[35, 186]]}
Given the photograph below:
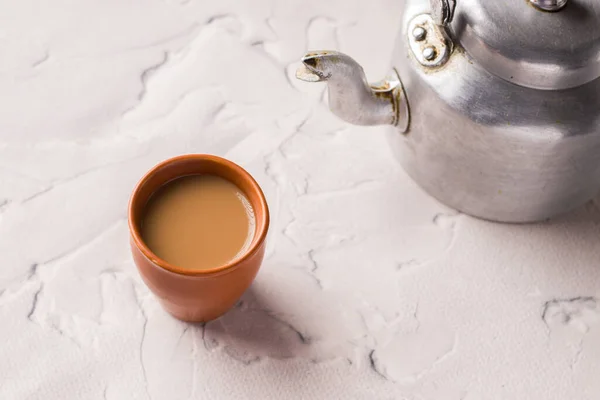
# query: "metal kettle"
{"points": [[495, 105]]}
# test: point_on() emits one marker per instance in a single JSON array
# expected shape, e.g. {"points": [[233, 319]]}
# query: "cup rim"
{"points": [[263, 225]]}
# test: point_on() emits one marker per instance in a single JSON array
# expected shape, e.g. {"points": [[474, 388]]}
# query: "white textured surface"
{"points": [[371, 289]]}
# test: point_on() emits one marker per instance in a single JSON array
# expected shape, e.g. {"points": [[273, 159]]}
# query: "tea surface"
{"points": [[198, 222]]}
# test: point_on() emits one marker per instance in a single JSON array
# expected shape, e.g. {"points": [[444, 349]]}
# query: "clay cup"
{"points": [[201, 295]]}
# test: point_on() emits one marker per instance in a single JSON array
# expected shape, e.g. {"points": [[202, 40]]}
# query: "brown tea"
{"points": [[198, 222]]}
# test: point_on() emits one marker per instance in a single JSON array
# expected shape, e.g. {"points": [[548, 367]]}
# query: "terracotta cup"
{"points": [[197, 296]]}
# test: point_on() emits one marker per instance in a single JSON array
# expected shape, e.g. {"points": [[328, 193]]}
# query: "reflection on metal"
{"points": [[528, 47], [350, 96]]}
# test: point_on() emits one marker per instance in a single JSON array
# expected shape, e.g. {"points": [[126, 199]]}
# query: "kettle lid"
{"points": [[542, 44]]}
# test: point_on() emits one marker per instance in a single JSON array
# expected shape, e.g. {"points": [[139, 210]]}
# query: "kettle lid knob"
{"points": [[549, 5]]}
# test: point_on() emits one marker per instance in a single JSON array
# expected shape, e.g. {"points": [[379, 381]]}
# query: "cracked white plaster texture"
{"points": [[370, 288]]}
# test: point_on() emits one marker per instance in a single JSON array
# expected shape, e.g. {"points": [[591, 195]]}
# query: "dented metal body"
{"points": [[517, 147], [504, 101], [492, 148]]}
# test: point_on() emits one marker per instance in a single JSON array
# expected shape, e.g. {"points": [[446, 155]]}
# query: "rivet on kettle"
{"points": [[419, 33], [429, 53]]}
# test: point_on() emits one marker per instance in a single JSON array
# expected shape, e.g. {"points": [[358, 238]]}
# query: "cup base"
{"points": [[185, 314]]}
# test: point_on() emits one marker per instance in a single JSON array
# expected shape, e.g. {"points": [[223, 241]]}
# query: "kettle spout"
{"points": [[351, 97]]}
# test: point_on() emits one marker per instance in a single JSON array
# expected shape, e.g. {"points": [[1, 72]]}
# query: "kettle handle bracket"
{"points": [[429, 42], [442, 11]]}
